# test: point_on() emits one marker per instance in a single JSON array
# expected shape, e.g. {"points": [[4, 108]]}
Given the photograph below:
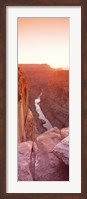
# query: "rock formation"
{"points": [[37, 160], [26, 122], [49, 167], [61, 150], [25, 161]]}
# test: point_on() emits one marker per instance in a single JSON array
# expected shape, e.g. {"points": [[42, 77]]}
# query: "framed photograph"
{"points": [[43, 99]]}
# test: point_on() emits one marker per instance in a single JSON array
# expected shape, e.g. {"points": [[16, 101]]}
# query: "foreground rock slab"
{"points": [[41, 160], [48, 167], [25, 161], [61, 150]]}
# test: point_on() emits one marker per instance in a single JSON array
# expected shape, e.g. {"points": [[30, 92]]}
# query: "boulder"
{"points": [[61, 150], [37, 160], [48, 167], [25, 161], [50, 138], [64, 132]]}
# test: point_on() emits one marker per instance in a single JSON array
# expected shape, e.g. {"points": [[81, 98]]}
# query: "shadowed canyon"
{"points": [[43, 121]]}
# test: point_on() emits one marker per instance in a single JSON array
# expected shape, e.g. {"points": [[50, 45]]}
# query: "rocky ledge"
{"points": [[42, 160], [61, 150]]}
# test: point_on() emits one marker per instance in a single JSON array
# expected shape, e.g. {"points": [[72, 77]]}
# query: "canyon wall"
{"points": [[37, 76], [54, 85], [55, 99], [26, 122]]}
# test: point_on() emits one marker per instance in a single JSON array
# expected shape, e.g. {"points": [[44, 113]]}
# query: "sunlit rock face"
{"points": [[26, 123]]}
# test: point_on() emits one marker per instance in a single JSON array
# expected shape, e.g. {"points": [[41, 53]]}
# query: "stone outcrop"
{"points": [[25, 161], [26, 123], [48, 167], [37, 160], [61, 150]]}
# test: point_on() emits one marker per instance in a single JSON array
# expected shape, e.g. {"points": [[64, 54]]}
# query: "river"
{"points": [[41, 116]]}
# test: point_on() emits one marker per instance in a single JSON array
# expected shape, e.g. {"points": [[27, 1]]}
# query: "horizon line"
{"points": [[62, 67]]}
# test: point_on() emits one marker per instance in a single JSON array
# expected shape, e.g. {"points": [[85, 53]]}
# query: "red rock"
{"points": [[61, 150], [26, 122], [48, 167], [25, 161], [64, 132], [37, 161]]}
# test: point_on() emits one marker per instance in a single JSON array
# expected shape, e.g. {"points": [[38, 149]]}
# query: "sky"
{"points": [[43, 40]]}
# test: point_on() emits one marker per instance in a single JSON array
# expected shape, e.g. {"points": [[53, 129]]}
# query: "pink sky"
{"points": [[43, 40]]}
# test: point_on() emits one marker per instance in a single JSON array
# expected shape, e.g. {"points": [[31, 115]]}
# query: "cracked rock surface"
{"points": [[37, 160]]}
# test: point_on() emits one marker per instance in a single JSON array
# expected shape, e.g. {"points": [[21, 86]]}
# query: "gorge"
{"points": [[43, 120], [41, 116]]}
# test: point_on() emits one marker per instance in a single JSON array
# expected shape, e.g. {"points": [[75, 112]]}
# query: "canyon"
{"points": [[54, 86], [43, 150]]}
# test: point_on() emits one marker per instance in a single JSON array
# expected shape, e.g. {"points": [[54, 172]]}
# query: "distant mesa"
{"points": [[42, 66]]}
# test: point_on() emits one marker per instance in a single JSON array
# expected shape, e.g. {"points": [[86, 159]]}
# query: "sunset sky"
{"points": [[43, 40]]}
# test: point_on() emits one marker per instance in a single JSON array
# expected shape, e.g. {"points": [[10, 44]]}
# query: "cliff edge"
{"points": [[26, 122]]}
